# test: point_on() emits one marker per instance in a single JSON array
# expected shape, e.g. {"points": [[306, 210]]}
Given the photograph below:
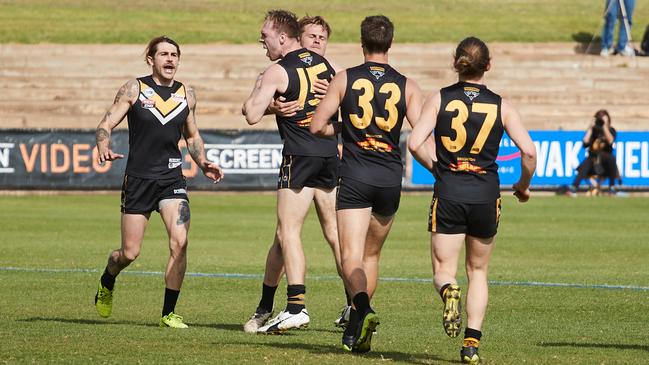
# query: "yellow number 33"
{"points": [[365, 103]]}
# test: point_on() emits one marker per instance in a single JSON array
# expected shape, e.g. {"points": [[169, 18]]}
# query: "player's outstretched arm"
{"points": [[125, 97], [321, 124], [520, 136], [195, 144], [420, 142], [270, 81]]}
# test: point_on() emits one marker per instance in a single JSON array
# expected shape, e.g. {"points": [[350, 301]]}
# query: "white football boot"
{"points": [[286, 321]]}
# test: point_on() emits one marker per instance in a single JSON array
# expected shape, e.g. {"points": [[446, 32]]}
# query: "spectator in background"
{"points": [[599, 139], [612, 13]]}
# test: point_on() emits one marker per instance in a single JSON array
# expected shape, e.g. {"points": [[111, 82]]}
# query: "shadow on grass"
{"points": [[238, 327], [332, 350], [86, 321], [588, 43], [617, 346]]}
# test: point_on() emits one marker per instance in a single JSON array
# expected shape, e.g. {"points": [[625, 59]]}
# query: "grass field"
{"points": [[56, 246], [234, 21]]}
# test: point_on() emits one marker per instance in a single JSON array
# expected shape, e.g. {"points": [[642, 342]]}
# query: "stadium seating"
{"points": [[553, 86]]}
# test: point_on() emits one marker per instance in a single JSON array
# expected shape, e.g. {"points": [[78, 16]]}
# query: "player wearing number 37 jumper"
{"points": [[468, 121]]}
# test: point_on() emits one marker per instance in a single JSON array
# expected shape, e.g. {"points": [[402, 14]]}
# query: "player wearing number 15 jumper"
{"points": [[468, 121], [309, 168], [314, 35], [374, 99]]}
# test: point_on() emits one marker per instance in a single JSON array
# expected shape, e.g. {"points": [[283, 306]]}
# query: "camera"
{"points": [[598, 128]]}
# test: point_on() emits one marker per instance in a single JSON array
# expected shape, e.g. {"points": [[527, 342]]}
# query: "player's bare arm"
{"points": [[320, 87], [125, 97], [517, 132], [195, 144], [321, 124], [274, 79], [414, 101], [283, 108], [420, 142]]}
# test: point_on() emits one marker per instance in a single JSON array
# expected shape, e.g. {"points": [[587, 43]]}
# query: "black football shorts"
{"points": [[451, 217], [298, 172], [353, 194], [141, 196]]}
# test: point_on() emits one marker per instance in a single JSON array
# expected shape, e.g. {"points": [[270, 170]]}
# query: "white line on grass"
{"points": [[331, 277]]}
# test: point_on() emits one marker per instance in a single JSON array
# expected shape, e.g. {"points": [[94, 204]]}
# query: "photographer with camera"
{"points": [[599, 139]]}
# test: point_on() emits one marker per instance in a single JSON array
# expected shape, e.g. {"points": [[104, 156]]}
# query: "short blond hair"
{"points": [[284, 21], [315, 20]]}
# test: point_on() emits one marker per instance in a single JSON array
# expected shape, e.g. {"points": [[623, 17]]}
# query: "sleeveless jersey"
{"points": [[467, 135], [154, 129], [304, 68], [372, 113]]}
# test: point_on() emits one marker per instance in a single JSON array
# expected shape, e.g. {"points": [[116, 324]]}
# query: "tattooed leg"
{"points": [[183, 213], [175, 214]]}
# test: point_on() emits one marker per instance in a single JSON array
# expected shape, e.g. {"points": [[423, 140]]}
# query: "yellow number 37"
{"points": [[457, 123]]}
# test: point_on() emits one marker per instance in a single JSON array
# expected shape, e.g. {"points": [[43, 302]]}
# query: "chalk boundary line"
{"points": [[329, 277]]}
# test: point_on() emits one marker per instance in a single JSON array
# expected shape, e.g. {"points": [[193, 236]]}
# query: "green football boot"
{"points": [[104, 301], [172, 320], [367, 328]]}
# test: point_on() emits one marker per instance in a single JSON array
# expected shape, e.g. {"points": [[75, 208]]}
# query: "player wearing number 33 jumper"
{"points": [[374, 99]]}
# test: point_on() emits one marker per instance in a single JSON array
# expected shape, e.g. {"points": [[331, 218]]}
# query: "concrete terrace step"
{"points": [[103, 90], [553, 86]]}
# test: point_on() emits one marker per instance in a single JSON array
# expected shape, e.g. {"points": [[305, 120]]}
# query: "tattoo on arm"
{"points": [[120, 93], [192, 94], [194, 143], [132, 89], [196, 149], [106, 116], [192, 100], [101, 134], [183, 213]]}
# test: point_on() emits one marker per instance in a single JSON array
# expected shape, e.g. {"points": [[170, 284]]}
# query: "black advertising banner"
{"points": [[249, 159], [67, 159], [59, 159], [56, 159]]}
